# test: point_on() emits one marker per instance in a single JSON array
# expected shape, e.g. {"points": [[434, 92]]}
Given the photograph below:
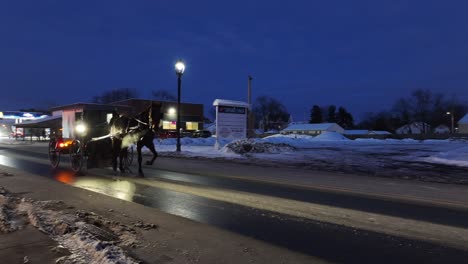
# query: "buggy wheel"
{"points": [[129, 156], [76, 156], [54, 154]]}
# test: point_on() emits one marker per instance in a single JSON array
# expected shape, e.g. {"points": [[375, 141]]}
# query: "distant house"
{"points": [[364, 132], [463, 125], [379, 132], [414, 128], [441, 129], [356, 132], [313, 129]]}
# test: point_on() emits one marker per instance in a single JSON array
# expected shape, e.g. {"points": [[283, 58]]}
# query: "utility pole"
{"points": [[249, 101]]}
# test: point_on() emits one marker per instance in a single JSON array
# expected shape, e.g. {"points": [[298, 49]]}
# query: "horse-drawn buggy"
{"points": [[97, 135]]}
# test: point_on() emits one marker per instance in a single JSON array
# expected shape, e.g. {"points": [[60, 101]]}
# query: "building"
{"points": [[10, 121], [364, 132], [414, 128], [379, 132], [313, 129], [191, 114], [463, 125], [442, 129], [357, 132]]}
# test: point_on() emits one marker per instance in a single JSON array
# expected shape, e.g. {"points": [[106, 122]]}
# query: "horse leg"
{"points": [[115, 153], [155, 153], [140, 159], [121, 157]]}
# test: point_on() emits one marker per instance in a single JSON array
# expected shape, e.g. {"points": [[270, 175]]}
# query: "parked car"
{"points": [[18, 134], [201, 133]]}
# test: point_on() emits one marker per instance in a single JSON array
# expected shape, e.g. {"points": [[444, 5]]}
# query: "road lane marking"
{"points": [[414, 229]]}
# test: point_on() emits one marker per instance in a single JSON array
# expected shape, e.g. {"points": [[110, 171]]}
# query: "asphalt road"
{"points": [[167, 191]]}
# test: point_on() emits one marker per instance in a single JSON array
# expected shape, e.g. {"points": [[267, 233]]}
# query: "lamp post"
{"points": [[179, 69], [453, 121]]}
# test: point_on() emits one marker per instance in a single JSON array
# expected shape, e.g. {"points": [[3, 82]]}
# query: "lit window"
{"points": [[169, 125], [191, 125]]}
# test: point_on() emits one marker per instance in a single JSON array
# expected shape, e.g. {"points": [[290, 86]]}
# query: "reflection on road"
{"points": [[4, 160], [120, 189]]}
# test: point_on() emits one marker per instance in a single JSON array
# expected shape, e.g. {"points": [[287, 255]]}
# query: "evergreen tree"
{"points": [[316, 114], [331, 114], [344, 118]]}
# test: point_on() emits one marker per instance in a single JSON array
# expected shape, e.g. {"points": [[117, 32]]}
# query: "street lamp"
{"points": [[179, 69], [453, 121]]}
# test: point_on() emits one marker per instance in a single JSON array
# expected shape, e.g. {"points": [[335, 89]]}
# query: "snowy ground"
{"points": [[429, 160], [85, 236]]}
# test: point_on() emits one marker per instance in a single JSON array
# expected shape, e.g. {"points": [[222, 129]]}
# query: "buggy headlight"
{"points": [[80, 128]]}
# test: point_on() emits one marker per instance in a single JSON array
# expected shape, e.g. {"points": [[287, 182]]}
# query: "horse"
{"points": [[139, 130]]}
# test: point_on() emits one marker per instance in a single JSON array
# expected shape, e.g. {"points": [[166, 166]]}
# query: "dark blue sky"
{"points": [[359, 54]]}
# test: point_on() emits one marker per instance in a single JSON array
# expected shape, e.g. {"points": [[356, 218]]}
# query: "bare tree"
{"points": [[269, 112], [115, 95], [164, 95], [421, 102]]}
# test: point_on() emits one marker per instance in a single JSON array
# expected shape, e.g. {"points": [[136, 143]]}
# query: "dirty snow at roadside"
{"points": [[88, 237]]}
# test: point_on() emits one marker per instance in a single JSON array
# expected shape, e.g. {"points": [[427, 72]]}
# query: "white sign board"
{"points": [[231, 120]]}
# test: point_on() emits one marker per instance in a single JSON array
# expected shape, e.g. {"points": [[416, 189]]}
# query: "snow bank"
{"points": [[457, 157], [251, 146], [330, 136], [191, 141], [290, 139], [89, 237]]}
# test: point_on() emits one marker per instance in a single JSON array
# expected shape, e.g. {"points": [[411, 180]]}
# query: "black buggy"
{"points": [[84, 137]]}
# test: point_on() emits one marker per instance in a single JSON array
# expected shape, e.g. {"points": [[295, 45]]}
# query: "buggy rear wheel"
{"points": [[76, 156], [54, 154]]}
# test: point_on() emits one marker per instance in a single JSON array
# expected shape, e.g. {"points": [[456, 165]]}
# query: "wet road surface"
{"points": [[328, 241]]}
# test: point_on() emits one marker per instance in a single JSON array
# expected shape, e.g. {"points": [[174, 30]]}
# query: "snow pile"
{"points": [[457, 157], [88, 237], [288, 139], [210, 141], [251, 146]]}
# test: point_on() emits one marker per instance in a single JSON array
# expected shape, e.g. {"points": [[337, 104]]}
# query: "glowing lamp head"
{"points": [[172, 111], [81, 128], [179, 67], [448, 113]]}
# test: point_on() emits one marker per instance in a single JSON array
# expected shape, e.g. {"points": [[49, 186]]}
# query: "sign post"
{"points": [[231, 120]]}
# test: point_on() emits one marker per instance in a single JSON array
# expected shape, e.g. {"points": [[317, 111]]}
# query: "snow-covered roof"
{"points": [[379, 132], [230, 103], [414, 128], [464, 120], [442, 127], [321, 126], [356, 132], [46, 122]]}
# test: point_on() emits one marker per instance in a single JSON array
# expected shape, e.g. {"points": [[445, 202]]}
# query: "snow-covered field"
{"points": [[431, 160]]}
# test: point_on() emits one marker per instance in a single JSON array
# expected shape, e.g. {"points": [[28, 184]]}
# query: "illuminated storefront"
{"points": [[10, 119]]}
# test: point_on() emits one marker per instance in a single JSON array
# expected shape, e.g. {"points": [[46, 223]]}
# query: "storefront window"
{"points": [[169, 125], [192, 125]]}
